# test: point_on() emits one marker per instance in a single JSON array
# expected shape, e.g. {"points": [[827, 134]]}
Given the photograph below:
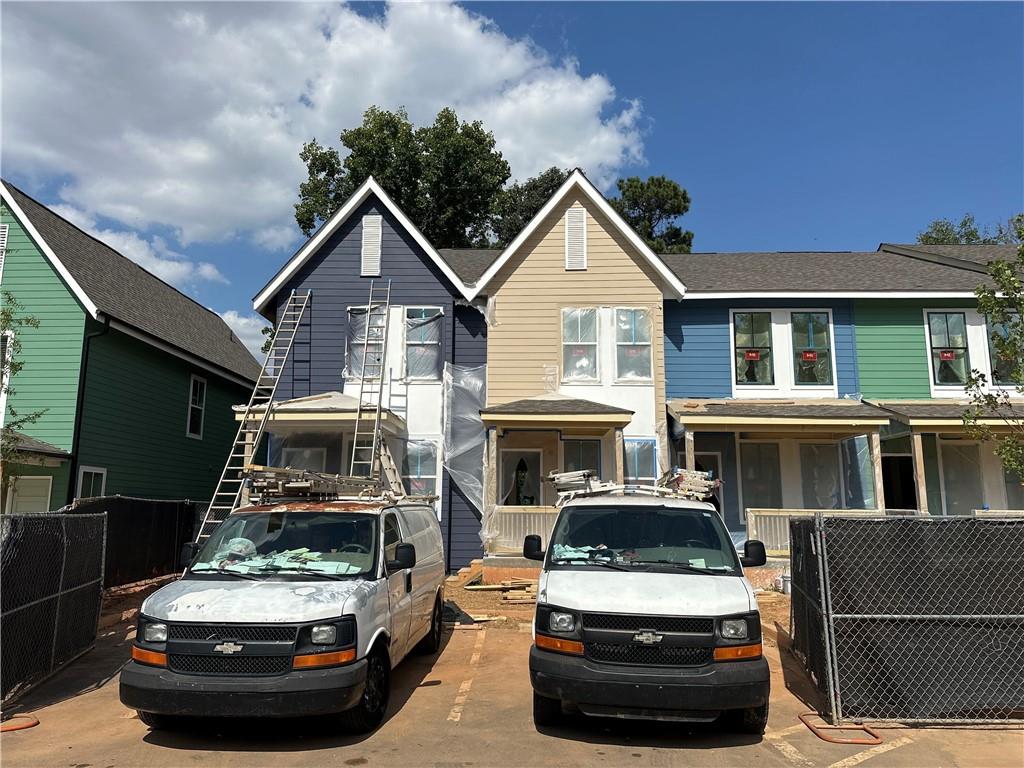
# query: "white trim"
{"points": [[163, 346], [640, 439], [577, 212], [82, 469], [405, 345], [5, 385], [437, 442], [202, 408], [596, 379], [577, 179], [616, 343], [76, 289], [4, 229], [978, 353], [368, 187], [12, 486], [818, 295], [371, 244]]}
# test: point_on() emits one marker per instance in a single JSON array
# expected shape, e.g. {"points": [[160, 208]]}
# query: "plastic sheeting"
{"points": [[356, 335], [423, 343], [464, 434], [858, 473]]}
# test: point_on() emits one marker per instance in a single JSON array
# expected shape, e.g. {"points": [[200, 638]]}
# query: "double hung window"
{"points": [[364, 342], [423, 333], [950, 361], [632, 344], [641, 467], [753, 348], [579, 345], [196, 407], [419, 468], [812, 348]]}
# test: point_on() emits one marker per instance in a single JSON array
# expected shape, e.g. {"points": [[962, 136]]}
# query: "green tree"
{"points": [[11, 322], [652, 208], [992, 415], [517, 204], [967, 232], [445, 176]]}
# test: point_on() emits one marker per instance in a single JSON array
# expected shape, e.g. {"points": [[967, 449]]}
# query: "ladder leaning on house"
{"points": [[254, 421]]}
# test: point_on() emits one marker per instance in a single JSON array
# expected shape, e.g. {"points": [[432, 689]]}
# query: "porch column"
{"points": [[491, 472], [691, 460], [620, 457], [917, 452], [876, 465]]}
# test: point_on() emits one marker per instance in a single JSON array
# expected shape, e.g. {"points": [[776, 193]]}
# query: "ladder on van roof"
{"points": [[676, 483], [232, 480]]}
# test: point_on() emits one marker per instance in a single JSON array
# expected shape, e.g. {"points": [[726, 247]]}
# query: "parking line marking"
{"points": [[867, 754], [455, 714], [790, 752]]}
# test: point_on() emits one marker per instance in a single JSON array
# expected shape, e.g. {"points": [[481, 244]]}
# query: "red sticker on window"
{"points": [[809, 357], [752, 354], [947, 354]]}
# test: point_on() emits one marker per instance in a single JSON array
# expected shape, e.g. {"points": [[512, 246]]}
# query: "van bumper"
{"points": [[612, 690], [307, 692]]}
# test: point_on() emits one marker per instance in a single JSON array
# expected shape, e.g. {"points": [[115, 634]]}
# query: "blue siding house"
{"points": [[430, 323]]}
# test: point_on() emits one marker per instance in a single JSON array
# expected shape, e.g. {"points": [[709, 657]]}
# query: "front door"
{"points": [[399, 593]]}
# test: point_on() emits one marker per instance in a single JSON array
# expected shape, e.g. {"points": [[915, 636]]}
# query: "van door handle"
{"points": [[408, 581]]}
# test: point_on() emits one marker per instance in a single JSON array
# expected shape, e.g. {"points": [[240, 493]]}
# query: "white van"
{"points": [[300, 608], [643, 612]]}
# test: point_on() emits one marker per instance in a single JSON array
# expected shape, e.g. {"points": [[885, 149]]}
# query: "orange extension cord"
{"points": [[24, 721]]}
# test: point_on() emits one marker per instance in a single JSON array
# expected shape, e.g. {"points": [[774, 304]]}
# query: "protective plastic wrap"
{"points": [[859, 473], [423, 344], [464, 433]]}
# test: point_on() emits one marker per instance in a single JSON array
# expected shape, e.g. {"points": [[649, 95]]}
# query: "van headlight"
{"points": [[324, 634], [154, 633], [734, 629], [561, 622]]}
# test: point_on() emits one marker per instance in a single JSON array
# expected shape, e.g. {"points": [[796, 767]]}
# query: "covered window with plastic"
{"points": [[423, 334], [1006, 369], [579, 344], [641, 462], [632, 344], [752, 338], [419, 468], [950, 361], [812, 348], [364, 343]]}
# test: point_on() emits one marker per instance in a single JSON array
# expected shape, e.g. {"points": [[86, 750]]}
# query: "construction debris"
{"points": [[513, 591]]}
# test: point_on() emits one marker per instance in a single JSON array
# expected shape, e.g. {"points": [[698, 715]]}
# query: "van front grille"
{"points": [[628, 623], [230, 665], [654, 656], [246, 633]]}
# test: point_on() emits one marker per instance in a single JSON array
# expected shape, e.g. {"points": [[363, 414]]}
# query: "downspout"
{"points": [[447, 511], [79, 403]]}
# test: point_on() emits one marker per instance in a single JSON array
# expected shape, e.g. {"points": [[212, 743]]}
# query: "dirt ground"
{"points": [[468, 706]]}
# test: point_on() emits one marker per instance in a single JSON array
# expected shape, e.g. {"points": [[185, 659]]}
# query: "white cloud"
{"points": [[191, 116], [248, 328]]}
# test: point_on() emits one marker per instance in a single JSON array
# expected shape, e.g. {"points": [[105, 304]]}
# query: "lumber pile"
{"points": [[513, 591]]}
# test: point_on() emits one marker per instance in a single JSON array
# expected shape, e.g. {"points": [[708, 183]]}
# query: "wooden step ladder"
{"points": [[229, 490]]}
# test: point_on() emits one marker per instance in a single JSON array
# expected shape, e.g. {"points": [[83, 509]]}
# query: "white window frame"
{"points": [[979, 356], [407, 343], [320, 451], [596, 344], [4, 230], [437, 467], [540, 464], [638, 480], [4, 385], [347, 375], [581, 264], [13, 486], [93, 470], [370, 251], [202, 408], [782, 349], [650, 344]]}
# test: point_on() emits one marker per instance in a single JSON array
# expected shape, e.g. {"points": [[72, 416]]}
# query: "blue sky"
{"points": [[171, 131]]}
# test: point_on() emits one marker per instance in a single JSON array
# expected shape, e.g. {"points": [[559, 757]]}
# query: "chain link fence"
{"points": [[51, 568], [912, 619]]}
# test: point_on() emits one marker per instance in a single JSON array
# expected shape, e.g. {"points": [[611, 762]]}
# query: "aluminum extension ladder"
{"points": [[254, 421]]}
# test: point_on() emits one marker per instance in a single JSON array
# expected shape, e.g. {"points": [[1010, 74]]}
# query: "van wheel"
{"points": [[546, 711], [373, 704], [751, 720], [158, 722], [431, 642]]}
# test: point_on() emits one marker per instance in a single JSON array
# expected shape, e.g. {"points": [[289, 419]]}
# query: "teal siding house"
{"points": [[134, 380]]}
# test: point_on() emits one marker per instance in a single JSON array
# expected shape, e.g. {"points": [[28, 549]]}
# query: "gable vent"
{"points": [[371, 246], [576, 238], [3, 248]]}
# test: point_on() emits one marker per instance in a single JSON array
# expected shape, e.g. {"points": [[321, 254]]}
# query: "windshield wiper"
{"points": [[682, 566], [239, 574], [300, 569], [589, 561]]}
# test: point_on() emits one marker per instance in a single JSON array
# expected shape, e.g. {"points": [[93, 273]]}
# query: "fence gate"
{"points": [[51, 567], [912, 619]]}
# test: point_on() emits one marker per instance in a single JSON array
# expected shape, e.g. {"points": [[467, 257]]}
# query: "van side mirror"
{"points": [[188, 552], [753, 554], [531, 548], [405, 557]]}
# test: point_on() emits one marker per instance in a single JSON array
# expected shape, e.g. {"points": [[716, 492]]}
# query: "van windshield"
{"points": [[262, 544], [628, 537]]}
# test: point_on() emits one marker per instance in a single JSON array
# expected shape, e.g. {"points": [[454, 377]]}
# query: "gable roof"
{"points": [[577, 180], [109, 284], [879, 274], [311, 246], [469, 263]]}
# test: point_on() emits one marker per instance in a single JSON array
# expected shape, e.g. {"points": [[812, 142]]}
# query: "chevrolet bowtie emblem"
{"points": [[228, 647], [647, 637]]}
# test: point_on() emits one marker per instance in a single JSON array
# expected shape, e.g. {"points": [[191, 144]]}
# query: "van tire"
{"points": [[546, 711], [752, 720], [369, 713], [158, 722], [431, 642]]}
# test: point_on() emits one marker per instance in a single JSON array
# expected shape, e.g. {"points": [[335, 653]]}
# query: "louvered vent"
{"points": [[371, 246], [3, 248], [576, 238]]}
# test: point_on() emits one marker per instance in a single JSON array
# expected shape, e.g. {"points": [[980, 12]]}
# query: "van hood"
{"points": [[252, 601], [670, 594]]}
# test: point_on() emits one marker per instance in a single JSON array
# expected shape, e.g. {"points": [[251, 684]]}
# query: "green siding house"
{"points": [[133, 380]]}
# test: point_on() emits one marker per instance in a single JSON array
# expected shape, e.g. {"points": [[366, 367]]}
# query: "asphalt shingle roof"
{"points": [[560, 406], [816, 272], [977, 254], [123, 290], [948, 410], [27, 444], [469, 263], [843, 410]]}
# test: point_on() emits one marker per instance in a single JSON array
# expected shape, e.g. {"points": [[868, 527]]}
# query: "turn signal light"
{"points": [[153, 658], [312, 660], [733, 652], [574, 647]]}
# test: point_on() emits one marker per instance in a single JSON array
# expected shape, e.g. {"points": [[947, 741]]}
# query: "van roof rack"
{"points": [[676, 483], [277, 483]]}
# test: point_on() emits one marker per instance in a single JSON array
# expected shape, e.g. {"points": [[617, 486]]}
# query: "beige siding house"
{"points": [[575, 360]]}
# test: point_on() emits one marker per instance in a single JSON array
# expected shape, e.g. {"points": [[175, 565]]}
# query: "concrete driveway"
{"points": [[471, 706]]}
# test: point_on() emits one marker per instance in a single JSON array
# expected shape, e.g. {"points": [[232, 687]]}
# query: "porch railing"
{"points": [[771, 526], [516, 523]]}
